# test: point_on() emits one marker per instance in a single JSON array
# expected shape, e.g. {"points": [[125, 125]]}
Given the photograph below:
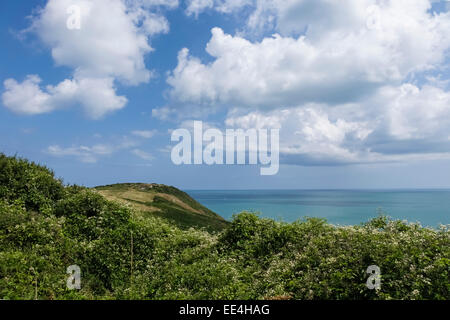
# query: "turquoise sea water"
{"points": [[344, 207]]}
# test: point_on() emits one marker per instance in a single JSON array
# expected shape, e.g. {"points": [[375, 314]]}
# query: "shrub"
{"points": [[45, 227], [28, 182]]}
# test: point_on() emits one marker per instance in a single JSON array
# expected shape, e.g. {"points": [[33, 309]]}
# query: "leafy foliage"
{"points": [[125, 254], [167, 202], [33, 184]]}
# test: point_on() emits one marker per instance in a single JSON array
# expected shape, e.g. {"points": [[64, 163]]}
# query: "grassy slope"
{"points": [[166, 202]]}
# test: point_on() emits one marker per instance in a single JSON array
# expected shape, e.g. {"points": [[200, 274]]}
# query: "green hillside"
{"points": [[137, 241], [165, 202]]}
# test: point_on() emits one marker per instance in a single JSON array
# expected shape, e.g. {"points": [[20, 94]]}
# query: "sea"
{"points": [[430, 208]]}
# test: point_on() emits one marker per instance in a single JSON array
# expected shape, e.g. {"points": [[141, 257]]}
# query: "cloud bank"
{"points": [[108, 49], [346, 81]]}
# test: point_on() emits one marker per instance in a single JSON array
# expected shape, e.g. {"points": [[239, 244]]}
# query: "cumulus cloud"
{"points": [[96, 95], [26, 97], [108, 48], [411, 120], [315, 17], [340, 63], [309, 134], [350, 81], [399, 123], [298, 16]]}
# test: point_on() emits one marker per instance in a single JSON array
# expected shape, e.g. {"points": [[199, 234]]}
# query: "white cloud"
{"points": [[119, 53], [180, 111], [153, 3], [416, 113], [96, 95], [147, 134], [91, 154], [308, 131], [189, 125], [109, 47], [164, 113], [338, 59], [294, 16], [286, 71], [142, 154], [349, 81], [400, 123], [195, 7], [83, 153], [317, 17], [26, 97]]}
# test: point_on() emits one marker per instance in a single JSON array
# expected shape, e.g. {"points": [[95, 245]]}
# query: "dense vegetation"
{"points": [[125, 253], [165, 201]]}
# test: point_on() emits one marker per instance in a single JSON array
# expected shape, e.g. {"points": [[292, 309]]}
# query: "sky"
{"points": [[359, 89]]}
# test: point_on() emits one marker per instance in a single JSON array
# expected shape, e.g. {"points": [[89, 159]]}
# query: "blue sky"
{"points": [[358, 89]]}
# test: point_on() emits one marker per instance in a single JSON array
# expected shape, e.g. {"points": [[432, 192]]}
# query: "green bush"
{"points": [[46, 227], [33, 184], [313, 260]]}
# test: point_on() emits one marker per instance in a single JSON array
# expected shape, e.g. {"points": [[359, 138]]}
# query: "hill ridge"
{"points": [[164, 201]]}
